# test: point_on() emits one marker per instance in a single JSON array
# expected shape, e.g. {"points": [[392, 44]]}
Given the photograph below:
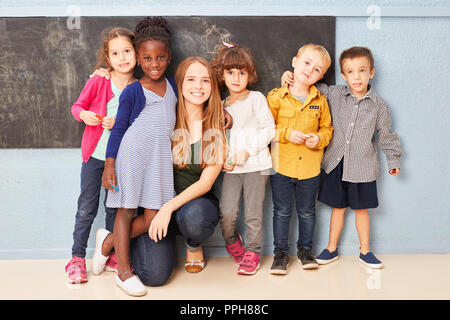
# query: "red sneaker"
{"points": [[249, 264], [236, 249], [76, 270], [111, 263]]}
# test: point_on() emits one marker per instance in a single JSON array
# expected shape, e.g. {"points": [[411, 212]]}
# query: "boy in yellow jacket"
{"points": [[303, 124]]}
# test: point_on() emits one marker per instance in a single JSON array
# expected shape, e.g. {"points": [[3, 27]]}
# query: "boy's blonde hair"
{"points": [[322, 51]]}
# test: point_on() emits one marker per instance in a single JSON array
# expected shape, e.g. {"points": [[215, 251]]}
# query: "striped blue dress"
{"points": [[144, 167]]}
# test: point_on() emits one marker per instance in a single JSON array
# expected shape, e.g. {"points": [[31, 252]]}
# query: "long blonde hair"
{"points": [[213, 135]]}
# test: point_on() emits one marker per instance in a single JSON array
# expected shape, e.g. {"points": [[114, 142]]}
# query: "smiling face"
{"points": [[357, 72], [196, 88], [121, 55], [236, 80], [154, 57], [309, 67]]}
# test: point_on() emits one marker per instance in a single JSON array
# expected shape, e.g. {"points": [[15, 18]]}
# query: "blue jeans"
{"points": [[88, 202], [284, 191], [152, 261], [197, 219]]}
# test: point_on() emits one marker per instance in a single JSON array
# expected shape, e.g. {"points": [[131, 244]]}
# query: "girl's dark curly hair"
{"points": [[152, 28]]}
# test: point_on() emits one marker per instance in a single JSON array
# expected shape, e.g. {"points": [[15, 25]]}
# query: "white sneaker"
{"points": [[132, 286], [99, 260]]}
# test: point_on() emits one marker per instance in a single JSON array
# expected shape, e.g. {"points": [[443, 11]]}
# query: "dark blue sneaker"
{"points": [[370, 260], [326, 257]]}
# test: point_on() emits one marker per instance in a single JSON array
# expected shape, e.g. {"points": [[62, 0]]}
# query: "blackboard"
{"points": [[45, 62]]}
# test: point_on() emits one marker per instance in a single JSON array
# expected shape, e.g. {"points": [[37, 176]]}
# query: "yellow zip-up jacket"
{"points": [[313, 116]]}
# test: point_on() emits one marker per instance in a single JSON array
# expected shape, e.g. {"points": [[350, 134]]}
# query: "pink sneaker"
{"points": [[111, 263], [76, 270], [236, 249], [249, 264]]}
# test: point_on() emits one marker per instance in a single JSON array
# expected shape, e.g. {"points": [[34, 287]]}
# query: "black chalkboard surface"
{"points": [[45, 62]]}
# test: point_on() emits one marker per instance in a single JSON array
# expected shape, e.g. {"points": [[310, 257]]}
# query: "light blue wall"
{"points": [[39, 187]]}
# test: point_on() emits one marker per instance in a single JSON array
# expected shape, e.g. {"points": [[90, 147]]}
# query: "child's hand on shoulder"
{"points": [[394, 172], [287, 78], [89, 118], [312, 141], [297, 137], [108, 122], [102, 73]]}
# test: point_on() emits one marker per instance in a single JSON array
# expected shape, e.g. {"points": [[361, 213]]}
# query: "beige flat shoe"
{"points": [[194, 265]]}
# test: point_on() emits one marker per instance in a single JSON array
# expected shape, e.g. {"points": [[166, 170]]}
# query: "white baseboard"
{"points": [[381, 248]]}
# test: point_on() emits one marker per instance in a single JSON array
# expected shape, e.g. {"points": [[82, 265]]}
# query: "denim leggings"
{"points": [[88, 202], [152, 261]]}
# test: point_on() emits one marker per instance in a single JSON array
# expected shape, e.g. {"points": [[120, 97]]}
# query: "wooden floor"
{"points": [[423, 277]]}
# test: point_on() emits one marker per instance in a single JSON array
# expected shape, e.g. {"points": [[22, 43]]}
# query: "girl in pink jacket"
{"points": [[97, 107]]}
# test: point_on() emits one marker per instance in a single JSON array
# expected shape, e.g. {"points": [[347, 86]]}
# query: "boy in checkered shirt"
{"points": [[361, 120]]}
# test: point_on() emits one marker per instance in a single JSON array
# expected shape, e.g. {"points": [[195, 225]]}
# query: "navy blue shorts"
{"points": [[342, 194]]}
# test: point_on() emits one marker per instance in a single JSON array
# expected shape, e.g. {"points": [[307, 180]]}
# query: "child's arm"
{"points": [[121, 123], [80, 109], [323, 136], [228, 120], [117, 132], [282, 132], [288, 79], [388, 141], [158, 227], [266, 131]]}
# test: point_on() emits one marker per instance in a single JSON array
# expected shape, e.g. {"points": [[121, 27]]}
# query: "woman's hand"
{"points": [[89, 118], [108, 122], [109, 174], [102, 73], [160, 223]]}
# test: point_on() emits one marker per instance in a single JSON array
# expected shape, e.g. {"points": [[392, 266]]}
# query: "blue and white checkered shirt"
{"points": [[358, 127]]}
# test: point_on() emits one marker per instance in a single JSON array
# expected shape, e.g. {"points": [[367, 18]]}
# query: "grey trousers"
{"points": [[253, 186]]}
